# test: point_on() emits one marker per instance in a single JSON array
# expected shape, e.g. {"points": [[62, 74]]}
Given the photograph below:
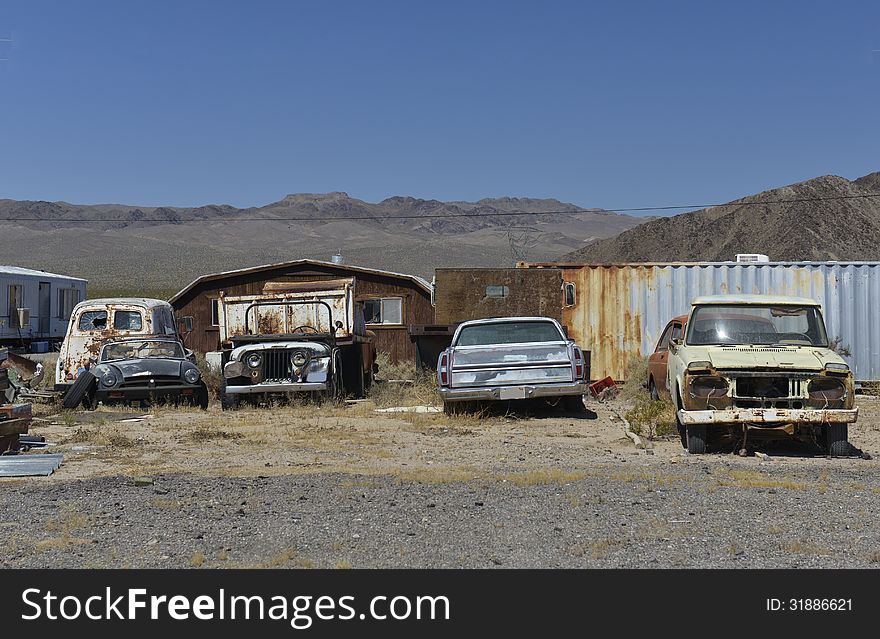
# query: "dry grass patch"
{"points": [[101, 435], [802, 547], [343, 564], [286, 558], [198, 559], [440, 475], [67, 521], [543, 476], [596, 549]]}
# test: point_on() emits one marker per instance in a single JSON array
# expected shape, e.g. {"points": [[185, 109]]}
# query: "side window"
{"points": [[128, 321], [15, 303], [497, 290], [663, 345], [93, 321], [215, 312], [677, 331], [67, 299], [570, 299], [388, 310]]}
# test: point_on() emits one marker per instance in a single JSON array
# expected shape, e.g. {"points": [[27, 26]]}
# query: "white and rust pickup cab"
{"points": [[94, 322], [759, 367], [512, 358]]}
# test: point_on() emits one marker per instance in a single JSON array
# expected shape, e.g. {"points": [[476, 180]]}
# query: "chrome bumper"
{"points": [[524, 391], [775, 416], [276, 388]]}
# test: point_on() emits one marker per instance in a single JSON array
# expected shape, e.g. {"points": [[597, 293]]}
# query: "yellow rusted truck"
{"points": [[759, 367]]}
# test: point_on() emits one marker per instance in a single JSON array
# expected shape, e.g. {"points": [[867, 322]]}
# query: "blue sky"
{"points": [[611, 104]]}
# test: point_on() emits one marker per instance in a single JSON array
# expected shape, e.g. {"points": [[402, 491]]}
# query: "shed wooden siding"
{"points": [[394, 340], [461, 293]]}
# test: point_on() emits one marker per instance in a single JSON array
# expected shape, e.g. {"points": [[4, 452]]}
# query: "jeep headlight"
{"points": [[191, 375], [109, 378], [299, 358], [253, 360]]}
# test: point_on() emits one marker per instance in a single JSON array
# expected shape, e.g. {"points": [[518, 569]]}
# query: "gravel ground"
{"points": [[539, 492]]}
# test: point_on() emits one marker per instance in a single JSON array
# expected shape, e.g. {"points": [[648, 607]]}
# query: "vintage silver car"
{"points": [[140, 370], [512, 358]]}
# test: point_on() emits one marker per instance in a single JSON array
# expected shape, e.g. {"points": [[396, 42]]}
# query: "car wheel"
{"points": [[696, 439], [837, 440], [201, 396], [573, 404], [81, 388], [227, 401]]}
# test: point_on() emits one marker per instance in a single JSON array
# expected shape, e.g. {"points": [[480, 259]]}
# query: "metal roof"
{"points": [[418, 281], [133, 301], [755, 299], [29, 465], [29, 272], [673, 264]]}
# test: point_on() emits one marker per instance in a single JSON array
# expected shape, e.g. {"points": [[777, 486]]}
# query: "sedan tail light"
{"points": [[578, 363], [443, 370]]}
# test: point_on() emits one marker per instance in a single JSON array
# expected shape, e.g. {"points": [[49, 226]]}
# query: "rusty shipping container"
{"points": [[618, 310]]}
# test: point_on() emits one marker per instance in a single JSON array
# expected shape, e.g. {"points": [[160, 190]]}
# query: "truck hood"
{"points": [[316, 349], [784, 357]]}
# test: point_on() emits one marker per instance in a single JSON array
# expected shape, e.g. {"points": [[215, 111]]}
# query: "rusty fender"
{"points": [[769, 416]]}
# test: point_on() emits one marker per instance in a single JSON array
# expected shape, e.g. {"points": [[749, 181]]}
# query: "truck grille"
{"points": [[276, 365]]}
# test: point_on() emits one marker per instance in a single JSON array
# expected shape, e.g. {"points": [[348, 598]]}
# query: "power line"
{"points": [[471, 215]]}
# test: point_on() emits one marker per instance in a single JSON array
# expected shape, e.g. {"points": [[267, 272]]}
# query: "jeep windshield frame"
{"points": [[756, 325]]}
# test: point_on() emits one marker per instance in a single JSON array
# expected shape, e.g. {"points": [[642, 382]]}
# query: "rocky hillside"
{"points": [[158, 250], [841, 229]]}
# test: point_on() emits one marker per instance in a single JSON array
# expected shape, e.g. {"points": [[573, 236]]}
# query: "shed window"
{"points": [[67, 299], [15, 303], [388, 310], [569, 293], [93, 321], [128, 321], [497, 291], [215, 312]]}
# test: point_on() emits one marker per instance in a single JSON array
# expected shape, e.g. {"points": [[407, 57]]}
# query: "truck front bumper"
{"points": [[298, 387], [769, 416], [499, 393]]}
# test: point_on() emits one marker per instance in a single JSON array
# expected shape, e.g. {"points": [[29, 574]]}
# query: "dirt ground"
{"points": [[357, 439], [346, 486]]}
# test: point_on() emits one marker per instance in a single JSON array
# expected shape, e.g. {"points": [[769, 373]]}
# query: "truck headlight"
{"points": [[826, 392], [253, 360], [191, 375], [708, 386], [299, 358], [109, 378]]}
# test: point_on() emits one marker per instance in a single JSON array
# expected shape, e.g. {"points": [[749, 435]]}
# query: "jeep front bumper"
{"points": [[296, 387], [769, 416]]}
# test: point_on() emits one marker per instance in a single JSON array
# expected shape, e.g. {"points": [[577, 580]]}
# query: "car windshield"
{"points": [[756, 324], [508, 333], [140, 349]]}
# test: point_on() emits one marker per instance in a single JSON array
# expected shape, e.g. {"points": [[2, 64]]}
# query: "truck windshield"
{"points": [[756, 324], [508, 333], [141, 348]]}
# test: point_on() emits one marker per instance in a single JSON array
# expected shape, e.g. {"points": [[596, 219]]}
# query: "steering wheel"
{"points": [[306, 329]]}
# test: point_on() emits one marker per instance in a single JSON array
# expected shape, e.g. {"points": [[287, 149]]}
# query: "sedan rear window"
{"points": [[509, 333]]}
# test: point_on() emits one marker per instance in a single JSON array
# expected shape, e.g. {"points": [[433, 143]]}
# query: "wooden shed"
{"points": [[392, 301]]}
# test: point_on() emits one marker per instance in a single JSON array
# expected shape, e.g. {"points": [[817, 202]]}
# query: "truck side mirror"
{"points": [[674, 343]]}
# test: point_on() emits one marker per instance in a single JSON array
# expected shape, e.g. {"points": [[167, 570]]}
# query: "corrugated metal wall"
{"points": [[620, 310]]}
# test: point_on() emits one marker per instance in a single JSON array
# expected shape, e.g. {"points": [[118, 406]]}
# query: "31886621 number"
{"points": [[809, 605]]}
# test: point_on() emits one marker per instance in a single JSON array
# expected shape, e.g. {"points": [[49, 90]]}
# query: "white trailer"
{"points": [[35, 306]]}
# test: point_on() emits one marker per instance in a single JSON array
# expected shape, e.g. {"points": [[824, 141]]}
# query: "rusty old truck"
{"points": [[15, 417], [752, 368], [293, 338], [94, 322], [512, 358]]}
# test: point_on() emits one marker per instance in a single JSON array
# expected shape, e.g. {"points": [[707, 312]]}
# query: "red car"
{"points": [[658, 359]]}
